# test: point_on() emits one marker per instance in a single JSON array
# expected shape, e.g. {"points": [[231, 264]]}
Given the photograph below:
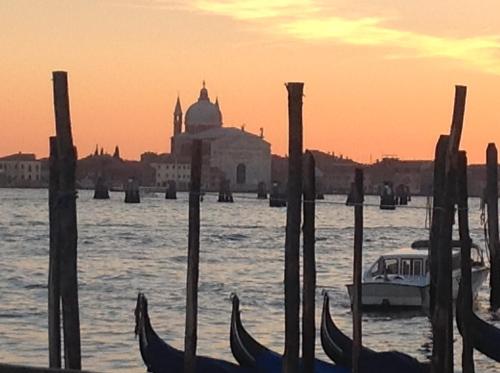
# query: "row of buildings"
{"points": [[334, 174], [229, 154]]}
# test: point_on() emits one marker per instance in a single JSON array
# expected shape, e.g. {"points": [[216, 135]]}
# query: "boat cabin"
{"points": [[413, 262]]}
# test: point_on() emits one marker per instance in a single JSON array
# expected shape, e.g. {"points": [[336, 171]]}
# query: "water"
{"points": [[123, 249]]}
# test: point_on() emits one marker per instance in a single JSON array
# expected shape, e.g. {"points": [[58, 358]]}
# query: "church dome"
{"points": [[203, 113]]}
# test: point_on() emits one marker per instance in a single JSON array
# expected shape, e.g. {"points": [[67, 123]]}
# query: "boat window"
{"points": [[378, 268], [406, 267], [427, 266], [417, 267], [391, 266]]}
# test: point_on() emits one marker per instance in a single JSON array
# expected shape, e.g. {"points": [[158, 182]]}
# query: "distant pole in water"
{"points": [[465, 260], [171, 192], [67, 225], [492, 206], [101, 190], [132, 194], [293, 219], [54, 296], [309, 265], [261, 190], [190, 336], [357, 263]]}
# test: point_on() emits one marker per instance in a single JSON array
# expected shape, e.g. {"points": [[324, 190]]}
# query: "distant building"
{"points": [[415, 174], [20, 170], [228, 152], [169, 169]]}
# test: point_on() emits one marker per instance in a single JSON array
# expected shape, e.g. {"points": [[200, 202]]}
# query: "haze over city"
{"points": [[379, 76]]}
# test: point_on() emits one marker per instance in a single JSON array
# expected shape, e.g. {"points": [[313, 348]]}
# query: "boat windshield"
{"points": [[398, 266]]}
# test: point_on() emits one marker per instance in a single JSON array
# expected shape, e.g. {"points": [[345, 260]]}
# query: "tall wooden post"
{"points": [[437, 200], [465, 303], [190, 337], [54, 296], [441, 236], [357, 270], [67, 222], [492, 204], [309, 265], [292, 241]]}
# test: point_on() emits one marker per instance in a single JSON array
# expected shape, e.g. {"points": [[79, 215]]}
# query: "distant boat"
{"points": [[339, 346], [401, 278]]}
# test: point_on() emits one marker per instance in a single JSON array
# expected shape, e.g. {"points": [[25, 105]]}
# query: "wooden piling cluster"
{"points": [[261, 190], [225, 194], [101, 190], [277, 198], [63, 282], [171, 192], [132, 194]]}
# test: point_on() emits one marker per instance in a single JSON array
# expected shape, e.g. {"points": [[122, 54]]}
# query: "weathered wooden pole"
{"points": [[441, 236], [66, 202], [190, 336], [309, 265], [54, 296], [492, 205], [437, 200], [292, 240], [466, 280], [357, 270]]}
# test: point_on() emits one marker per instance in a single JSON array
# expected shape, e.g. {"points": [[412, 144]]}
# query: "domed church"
{"points": [[229, 153]]}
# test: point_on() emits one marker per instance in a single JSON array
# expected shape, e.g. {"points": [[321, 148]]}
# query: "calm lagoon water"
{"points": [[123, 249]]}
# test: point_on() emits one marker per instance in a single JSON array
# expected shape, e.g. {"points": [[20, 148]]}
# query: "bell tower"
{"points": [[177, 118]]}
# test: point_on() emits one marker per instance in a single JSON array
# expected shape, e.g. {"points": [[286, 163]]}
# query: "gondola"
{"points": [[485, 337], [159, 357], [338, 347], [251, 354]]}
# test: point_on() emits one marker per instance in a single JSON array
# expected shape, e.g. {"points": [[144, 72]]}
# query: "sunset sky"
{"points": [[379, 74]]}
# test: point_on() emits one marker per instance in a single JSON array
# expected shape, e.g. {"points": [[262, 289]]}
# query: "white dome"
{"points": [[203, 112]]}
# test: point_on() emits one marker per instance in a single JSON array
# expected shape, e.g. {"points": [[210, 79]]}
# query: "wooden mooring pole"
{"points": [[465, 249], [309, 265], [66, 214], [492, 208], [440, 237], [292, 240], [190, 336], [54, 296], [357, 269]]}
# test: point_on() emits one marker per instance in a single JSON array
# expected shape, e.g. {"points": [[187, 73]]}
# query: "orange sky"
{"points": [[379, 75]]}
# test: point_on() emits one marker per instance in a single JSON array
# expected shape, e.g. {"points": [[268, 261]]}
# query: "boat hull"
{"points": [[400, 294]]}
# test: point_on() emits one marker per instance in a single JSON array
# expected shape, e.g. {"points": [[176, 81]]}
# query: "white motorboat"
{"points": [[401, 278]]}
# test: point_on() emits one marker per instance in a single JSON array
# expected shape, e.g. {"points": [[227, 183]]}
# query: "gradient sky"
{"points": [[379, 74]]}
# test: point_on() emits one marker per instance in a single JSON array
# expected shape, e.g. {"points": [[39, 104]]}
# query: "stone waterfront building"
{"points": [[21, 170], [231, 153]]}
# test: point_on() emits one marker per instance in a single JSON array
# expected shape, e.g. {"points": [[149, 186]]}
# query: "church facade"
{"points": [[229, 153]]}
